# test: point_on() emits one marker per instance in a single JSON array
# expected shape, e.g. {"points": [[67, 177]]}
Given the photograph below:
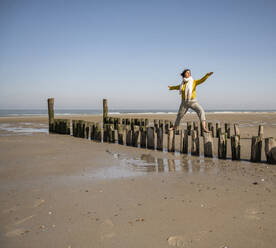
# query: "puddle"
{"points": [[22, 128], [147, 163]]}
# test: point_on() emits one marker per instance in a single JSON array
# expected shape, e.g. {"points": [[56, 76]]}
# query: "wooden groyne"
{"points": [[158, 134]]}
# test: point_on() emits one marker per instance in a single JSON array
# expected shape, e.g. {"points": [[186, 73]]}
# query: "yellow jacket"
{"points": [[195, 84]]}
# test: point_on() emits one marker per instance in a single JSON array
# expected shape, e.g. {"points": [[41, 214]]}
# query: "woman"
{"points": [[187, 90]]}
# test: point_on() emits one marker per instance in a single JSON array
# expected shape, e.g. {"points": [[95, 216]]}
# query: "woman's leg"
{"points": [[181, 112], [201, 114]]}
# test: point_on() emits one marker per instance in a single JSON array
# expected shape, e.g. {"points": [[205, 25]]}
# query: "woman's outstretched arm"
{"points": [[200, 81], [174, 87]]}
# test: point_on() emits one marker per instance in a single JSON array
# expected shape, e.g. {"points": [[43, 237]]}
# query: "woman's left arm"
{"points": [[200, 81]]}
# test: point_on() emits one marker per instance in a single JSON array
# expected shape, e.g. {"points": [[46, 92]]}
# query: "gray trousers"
{"points": [[184, 106]]}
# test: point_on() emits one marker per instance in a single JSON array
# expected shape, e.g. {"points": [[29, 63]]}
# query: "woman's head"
{"points": [[186, 73]]}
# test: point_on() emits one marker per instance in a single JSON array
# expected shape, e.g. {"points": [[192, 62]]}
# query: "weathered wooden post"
{"points": [[227, 130], [261, 131], [235, 147], [111, 133], [105, 110], [128, 136], [150, 138], [161, 125], [121, 134], [184, 141], [201, 129], [98, 132], [222, 146], [85, 126], [92, 133], [135, 136], [171, 140], [166, 126], [208, 145], [73, 127], [256, 149], [146, 122], [218, 129], [236, 129], [143, 137], [155, 124], [270, 150], [189, 127], [211, 128], [195, 143], [51, 115], [196, 128], [142, 122], [105, 133], [159, 133]]}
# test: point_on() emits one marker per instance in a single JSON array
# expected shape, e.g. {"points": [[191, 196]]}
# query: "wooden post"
{"points": [[105, 133], [211, 128], [208, 145], [189, 128], [98, 132], [150, 138], [155, 124], [166, 126], [201, 129], [218, 129], [235, 147], [128, 136], [135, 136], [143, 137], [121, 136], [111, 133], [142, 122], [261, 131], [51, 115], [195, 125], [92, 133], [146, 122], [73, 127], [184, 141], [161, 125], [222, 146], [256, 149], [195, 143], [270, 150], [227, 129], [171, 140], [85, 125], [159, 134], [105, 110], [236, 129], [132, 124]]}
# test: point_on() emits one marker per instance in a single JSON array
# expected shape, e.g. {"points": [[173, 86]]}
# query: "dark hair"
{"points": [[183, 73]]}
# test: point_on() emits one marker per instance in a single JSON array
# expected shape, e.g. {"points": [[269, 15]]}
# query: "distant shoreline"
{"points": [[85, 112]]}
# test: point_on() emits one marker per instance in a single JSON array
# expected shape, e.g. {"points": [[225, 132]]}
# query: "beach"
{"points": [[62, 191]]}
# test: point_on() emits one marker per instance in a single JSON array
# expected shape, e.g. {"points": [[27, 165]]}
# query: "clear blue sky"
{"points": [[129, 52]]}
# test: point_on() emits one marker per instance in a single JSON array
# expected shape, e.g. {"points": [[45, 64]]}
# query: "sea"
{"points": [[44, 112]]}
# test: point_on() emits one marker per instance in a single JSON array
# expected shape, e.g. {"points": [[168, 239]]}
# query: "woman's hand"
{"points": [[210, 73], [169, 87]]}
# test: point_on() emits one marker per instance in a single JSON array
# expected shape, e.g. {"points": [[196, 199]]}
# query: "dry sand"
{"points": [[62, 191]]}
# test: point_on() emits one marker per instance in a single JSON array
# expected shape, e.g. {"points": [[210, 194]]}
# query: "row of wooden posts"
{"points": [[138, 132]]}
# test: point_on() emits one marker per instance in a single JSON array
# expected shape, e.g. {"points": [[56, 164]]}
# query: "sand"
{"points": [[62, 191]]}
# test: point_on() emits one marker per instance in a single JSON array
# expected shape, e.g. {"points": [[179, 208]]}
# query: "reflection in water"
{"points": [[146, 163], [149, 163]]}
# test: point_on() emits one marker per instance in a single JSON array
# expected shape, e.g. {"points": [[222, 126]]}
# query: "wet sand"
{"points": [[62, 191]]}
